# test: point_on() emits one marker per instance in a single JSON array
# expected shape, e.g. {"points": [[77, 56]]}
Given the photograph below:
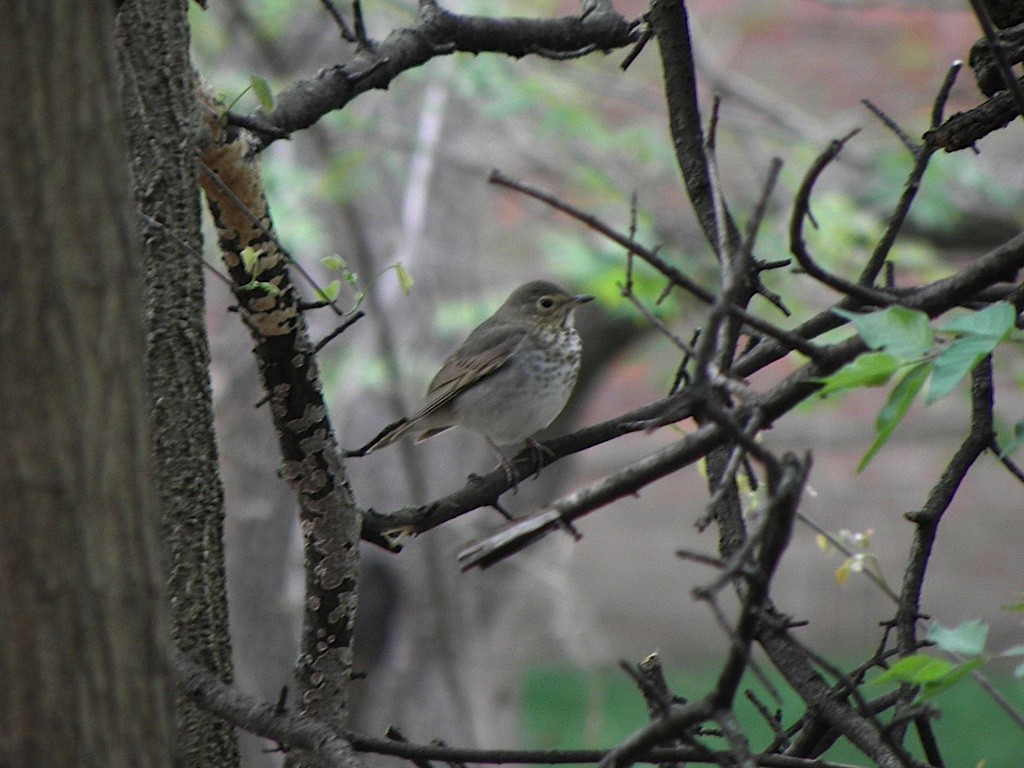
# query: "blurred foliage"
{"points": [[570, 708], [948, 181]]}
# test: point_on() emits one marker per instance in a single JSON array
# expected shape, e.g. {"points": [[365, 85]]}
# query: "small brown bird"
{"points": [[510, 378]]}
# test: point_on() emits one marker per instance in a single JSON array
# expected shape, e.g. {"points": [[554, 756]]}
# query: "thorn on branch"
{"points": [[282, 701], [394, 734], [638, 47], [700, 557]]}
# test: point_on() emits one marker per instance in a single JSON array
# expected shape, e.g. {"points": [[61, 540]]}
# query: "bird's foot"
{"points": [[537, 454], [511, 476]]}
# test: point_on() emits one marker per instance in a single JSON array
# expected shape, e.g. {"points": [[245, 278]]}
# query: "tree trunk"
{"points": [[82, 626], [160, 108]]}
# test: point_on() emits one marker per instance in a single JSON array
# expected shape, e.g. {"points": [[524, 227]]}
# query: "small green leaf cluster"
{"points": [[935, 675], [250, 259], [335, 262], [903, 342]]}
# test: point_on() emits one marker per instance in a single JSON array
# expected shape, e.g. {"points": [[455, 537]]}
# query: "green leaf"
{"points": [[1011, 445], [262, 90], [250, 256], [872, 369], [995, 320], [269, 288], [404, 278], [1017, 607], [967, 639], [896, 408], [956, 361], [333, 261], [903, 333], [947, 681], [259, 285], [917, 669], [351, 278], [329, 292], [1017, 650]]}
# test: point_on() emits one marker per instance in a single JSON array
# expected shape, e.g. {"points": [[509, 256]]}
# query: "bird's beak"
{"points": [[582, 298]]}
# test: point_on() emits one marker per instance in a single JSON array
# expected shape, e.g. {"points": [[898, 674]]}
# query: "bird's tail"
{"points": [[385, 437]]}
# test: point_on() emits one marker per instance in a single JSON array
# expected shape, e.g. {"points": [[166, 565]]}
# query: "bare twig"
{"points": [[346, 31], [797, 246], [345, 325], [651, 256], [645, 37]]}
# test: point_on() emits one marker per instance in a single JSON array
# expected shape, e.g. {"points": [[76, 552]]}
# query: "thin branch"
{"points": [[338, 745], [346, 31], [651, 257], [360, 28], [939, 499], [188, 249], [645, 37], [797, 246], [939, 106], [892, 125], [261, 718], [922, 154], [841, 546], [345, 325], [1006, 461], [655, 320]]}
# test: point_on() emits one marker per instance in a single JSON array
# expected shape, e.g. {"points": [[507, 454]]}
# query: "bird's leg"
{"points": [[537, 453], [510, 471]]}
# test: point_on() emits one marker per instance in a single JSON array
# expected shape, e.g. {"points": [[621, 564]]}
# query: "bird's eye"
{"points": [[545, 302]]}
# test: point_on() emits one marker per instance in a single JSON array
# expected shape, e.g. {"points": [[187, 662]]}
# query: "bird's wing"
{"points": [[484, 352]]}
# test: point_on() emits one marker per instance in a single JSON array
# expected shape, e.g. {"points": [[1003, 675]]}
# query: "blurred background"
{"points": [[525, 653]]}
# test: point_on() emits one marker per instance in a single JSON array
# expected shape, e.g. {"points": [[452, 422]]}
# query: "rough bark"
{"points": [[159, 98], [82, 626], [311, 458]]}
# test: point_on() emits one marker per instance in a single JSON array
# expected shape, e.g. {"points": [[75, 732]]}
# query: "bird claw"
{"points": [[537, 453], [511, 476]]}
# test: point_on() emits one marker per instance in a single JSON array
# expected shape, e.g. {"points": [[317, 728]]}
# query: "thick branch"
{"points": [[963, 129], [669, 20], [311, 459], [438, 32], [261, 718]]}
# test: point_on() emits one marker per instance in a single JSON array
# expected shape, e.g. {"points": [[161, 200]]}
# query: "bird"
{"points": [[510, 378]]}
